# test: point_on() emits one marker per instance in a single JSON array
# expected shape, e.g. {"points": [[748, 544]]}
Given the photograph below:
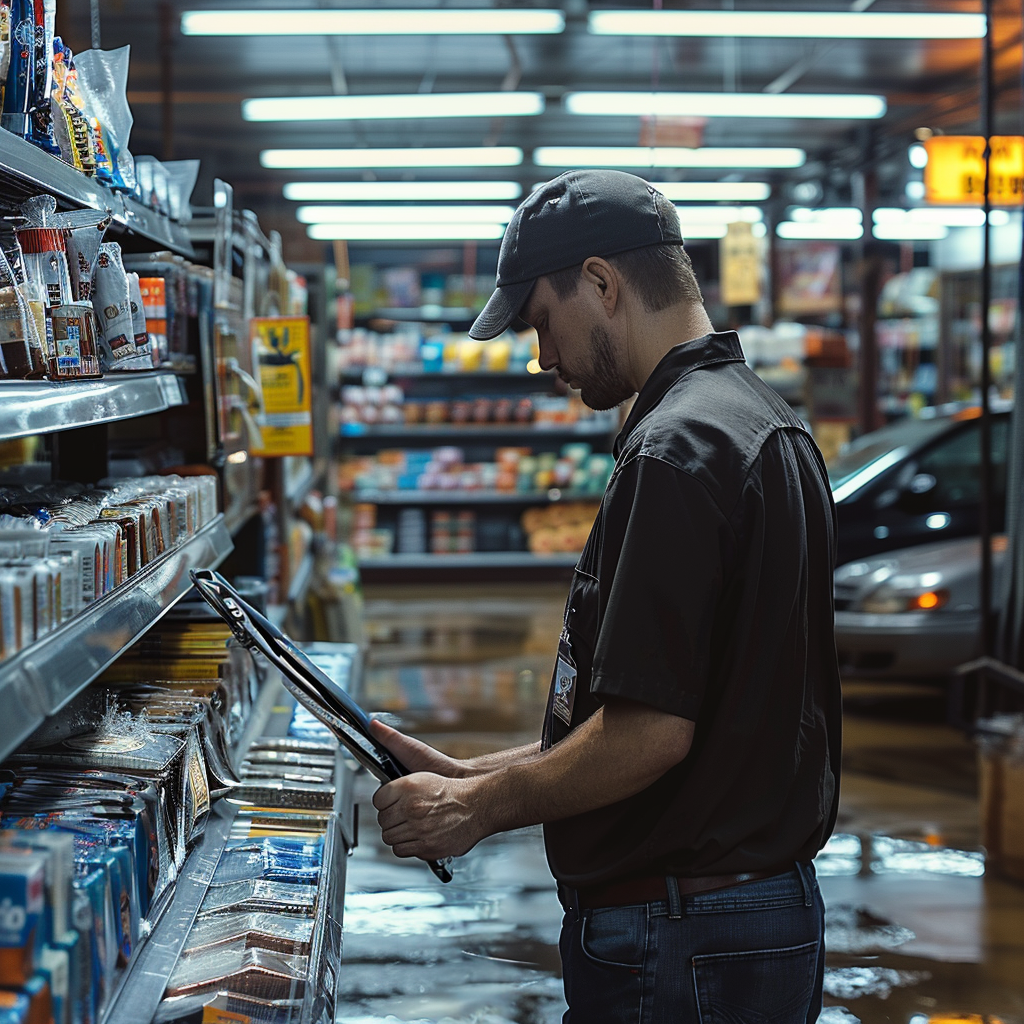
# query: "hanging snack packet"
{"points": [[46, 263], [141, 332], [75, 354], [70, 125], [112, 303], [41, 123], [21, 69], [25, 319], [102, 77], [14, 347]]}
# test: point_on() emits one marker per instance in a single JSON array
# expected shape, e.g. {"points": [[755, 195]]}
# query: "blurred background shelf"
{"points": [[469, 497]]}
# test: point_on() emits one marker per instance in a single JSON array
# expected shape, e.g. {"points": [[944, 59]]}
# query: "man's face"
{"points": [[575, 341]]}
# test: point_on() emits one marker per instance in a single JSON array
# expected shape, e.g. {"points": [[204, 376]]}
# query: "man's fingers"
{"points": [[403, 832], [387, 795]]}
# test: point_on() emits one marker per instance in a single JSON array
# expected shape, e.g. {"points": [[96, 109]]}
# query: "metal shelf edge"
{"points": [[41, 679], [30, 407]]}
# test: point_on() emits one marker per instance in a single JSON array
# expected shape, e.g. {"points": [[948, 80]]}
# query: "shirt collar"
{"points": [[720, 347]]}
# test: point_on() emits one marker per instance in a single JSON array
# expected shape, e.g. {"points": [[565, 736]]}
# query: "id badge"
{"points": [[565, 681]]}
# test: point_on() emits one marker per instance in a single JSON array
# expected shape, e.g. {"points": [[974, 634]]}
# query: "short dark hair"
{"points": [[660, 275]]}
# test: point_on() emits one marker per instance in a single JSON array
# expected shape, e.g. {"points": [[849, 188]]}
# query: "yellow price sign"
{"points": [[740, 262], [955, 172], [281, 347]]}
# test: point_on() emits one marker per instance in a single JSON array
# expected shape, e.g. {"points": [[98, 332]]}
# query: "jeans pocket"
{"points": [[764, 986], [615, 936]]}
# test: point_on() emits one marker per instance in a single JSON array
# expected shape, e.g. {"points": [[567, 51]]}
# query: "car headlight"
{"points": [[890, 600]]}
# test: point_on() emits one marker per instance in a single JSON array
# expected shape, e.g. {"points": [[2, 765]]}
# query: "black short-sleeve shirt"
{"points": [[705, 590]]}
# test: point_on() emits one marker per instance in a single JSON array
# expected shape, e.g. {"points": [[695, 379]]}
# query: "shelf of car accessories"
{"points": [[26, 171], [30, 407], [142, 984], [39, 680]]}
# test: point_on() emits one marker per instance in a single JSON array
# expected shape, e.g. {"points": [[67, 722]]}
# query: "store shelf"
{"points": [[42, 407], [422, 314], [376, 375], [475, 560], [300, 581], [594, 427], [469, 497], [40, 680], [26, 171], [144, 980]]}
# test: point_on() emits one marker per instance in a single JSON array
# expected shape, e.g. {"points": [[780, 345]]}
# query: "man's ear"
{"points": [[602, 277]]}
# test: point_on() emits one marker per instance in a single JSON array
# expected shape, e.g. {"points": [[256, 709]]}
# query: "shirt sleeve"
{"points": [[666, 546]]}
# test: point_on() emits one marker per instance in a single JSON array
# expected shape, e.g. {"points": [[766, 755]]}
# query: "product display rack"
{"points": [[26, 171], [549, 497], [595, 426], [30, 407], [39, 680]]}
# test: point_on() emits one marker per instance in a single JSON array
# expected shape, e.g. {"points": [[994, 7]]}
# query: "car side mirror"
{"points": [[917, 493]]}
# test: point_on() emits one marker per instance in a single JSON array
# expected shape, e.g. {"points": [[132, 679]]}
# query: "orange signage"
{"points": [[955, 172]]}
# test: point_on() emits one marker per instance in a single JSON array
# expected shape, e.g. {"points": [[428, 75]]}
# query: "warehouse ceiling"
{"points": [[926, 83]]}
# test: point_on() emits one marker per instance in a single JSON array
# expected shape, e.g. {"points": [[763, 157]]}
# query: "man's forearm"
{"points": [[500, 759], [610, 757]]}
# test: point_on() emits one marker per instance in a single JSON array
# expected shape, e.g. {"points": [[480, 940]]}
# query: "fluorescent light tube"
{"points": [[667, 156], [825, 215], [838, 229], [406, 232], [725, 104], [718, 214], [954, 217], [714, 191], [404, 214], [908, 231], [789, 24], [462, 156], [379, 108], [396, 22], [690, 231], [397, 191]]}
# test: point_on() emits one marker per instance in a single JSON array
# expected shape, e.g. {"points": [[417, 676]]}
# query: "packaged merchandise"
{"points": [[57, 849], [20, 81], [40, 124], [22, 902], [37, 993], [75, 353], [14, 1007], [45, 260], [71, 129], [102, 78], [140, 328], [5, 47], [15, 350], [112, 303], [251, 972], [278, 933], [84, 231]]}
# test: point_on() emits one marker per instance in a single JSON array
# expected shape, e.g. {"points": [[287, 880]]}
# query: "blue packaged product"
{"points": [[93, 915], [55, 967], [22, 900], [278, 858], [58, 848], [14, 1007], [21, 70], [79, 977], [40, 1005], [40, 119]]}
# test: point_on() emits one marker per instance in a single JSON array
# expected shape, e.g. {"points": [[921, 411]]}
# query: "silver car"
{"points": [[912, 613]]}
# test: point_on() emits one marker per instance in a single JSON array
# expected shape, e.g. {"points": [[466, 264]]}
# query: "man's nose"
{"points": [[547, 357]]}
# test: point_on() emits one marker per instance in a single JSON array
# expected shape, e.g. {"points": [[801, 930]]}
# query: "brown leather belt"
{"points": [[654, 887]]}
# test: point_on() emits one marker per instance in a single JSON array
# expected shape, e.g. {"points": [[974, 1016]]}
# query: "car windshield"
{"points": [[861, 453]]}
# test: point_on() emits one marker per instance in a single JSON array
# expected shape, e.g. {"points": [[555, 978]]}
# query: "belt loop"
{"points": [[801, 870], [675, 903]]}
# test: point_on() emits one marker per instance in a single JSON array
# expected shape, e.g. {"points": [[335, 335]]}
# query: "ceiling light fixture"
{"points": [[397, 22], [725, 104], [825, 230], [826, 215], [714, 191], [406, 232], [461, 156], [949, 216], [667, 156], [379, 108], [908, 231], [719, 214], [398, 191], [404, 214], [790, 24]]}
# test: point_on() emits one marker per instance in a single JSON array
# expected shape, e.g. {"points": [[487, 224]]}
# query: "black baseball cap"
{"points": [[561, 223]]}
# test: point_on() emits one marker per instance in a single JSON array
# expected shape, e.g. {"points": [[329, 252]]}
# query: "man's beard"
{"points": [[602, 386]]}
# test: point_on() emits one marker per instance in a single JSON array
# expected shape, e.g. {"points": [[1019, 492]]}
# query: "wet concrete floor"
{"points": [[918, 932]]}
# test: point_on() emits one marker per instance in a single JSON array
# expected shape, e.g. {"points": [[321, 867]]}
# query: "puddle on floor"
{"points": [[917, 933]]}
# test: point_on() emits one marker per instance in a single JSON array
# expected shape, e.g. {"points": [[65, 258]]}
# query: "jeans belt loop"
{"points": [[675, 902], [801, 870]]}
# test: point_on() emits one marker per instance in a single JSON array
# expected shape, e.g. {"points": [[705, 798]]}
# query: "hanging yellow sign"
{"points": [[740, 259], [281, 348], [955, 172]]}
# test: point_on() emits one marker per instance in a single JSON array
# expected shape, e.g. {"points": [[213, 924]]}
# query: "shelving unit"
{"points": [[44, 407], [39, 680], [26, 171], [509, 565], [470, 497], [596, 426]]}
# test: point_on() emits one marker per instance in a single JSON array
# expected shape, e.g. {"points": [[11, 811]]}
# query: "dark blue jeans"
{"points": [[749, 954]]}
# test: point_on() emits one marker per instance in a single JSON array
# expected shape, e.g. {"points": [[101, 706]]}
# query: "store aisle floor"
{"points": [[917, 932]]}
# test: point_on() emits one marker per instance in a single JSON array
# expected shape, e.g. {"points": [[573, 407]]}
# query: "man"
{"points": [[687, 773]]}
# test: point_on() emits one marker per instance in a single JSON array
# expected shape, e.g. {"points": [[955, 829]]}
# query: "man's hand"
{"points": [[428, 816], [417, 756]]}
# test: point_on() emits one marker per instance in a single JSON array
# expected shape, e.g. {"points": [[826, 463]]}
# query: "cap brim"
{"points": [[501, 310]]}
